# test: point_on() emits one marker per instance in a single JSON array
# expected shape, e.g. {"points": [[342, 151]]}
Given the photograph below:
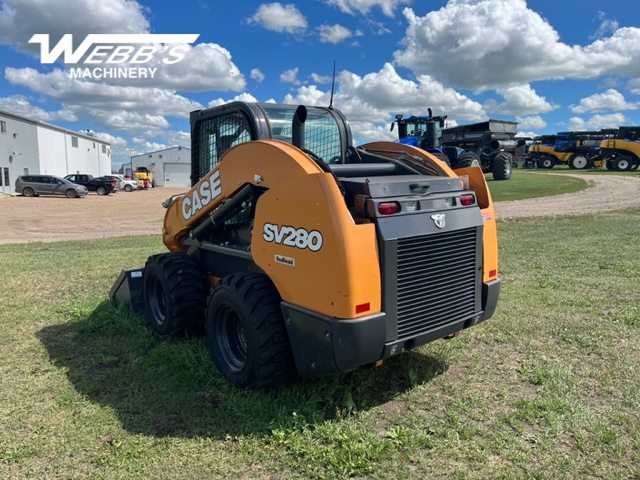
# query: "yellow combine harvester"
{"points": [[299, 253]]}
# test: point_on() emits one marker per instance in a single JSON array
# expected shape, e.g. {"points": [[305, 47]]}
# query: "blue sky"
{"points": [[550, 65]]}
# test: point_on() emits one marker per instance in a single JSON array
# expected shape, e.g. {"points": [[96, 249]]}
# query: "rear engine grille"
{"points": [[436, 280]]}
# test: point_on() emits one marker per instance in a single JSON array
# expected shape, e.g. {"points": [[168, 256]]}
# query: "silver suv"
{"points": [[34, 185]]}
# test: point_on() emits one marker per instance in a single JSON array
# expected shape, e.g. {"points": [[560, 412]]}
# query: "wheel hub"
{"points": [[232, 339]]}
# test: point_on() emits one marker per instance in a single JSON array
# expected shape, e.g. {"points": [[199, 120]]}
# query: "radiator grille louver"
{"points": [[436, 280]]}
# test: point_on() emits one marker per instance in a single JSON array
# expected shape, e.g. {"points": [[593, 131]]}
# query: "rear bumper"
{"points": [[324, 345]]}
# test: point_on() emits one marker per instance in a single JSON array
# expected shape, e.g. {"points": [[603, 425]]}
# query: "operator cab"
{"points": [[420, 131], [325, 132]]}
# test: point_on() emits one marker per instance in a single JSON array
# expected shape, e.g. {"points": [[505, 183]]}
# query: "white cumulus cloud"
{"points": [[608, 100], [519, 100], [333, 33], [364, 6], [596, 122], [482, 44], [279, 18], [20, 105]]}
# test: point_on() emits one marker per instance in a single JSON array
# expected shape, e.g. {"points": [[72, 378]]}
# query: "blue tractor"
{"points": [[426, 133], [489, 144]]}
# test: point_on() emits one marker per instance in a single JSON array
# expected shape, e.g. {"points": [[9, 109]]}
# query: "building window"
{"points": [[159, 156], [6, 177], [3, 126], [94, 145], [104, 148], [150, 156], [74, 142]]}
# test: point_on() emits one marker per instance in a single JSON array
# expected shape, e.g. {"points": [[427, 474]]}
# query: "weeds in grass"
{"points": [[545, 389]]}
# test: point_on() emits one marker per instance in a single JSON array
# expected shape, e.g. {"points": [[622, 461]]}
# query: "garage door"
{"points": [[177, 174]]}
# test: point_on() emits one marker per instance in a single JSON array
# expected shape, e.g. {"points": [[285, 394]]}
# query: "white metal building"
{"points": [[30, 146], [171, 167]]}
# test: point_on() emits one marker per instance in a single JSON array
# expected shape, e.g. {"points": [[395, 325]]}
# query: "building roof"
{"points": [[160, 151], [54, 127]]}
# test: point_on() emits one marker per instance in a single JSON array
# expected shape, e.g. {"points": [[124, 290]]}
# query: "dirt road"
{"points": [[608, 192], [49, 219]]}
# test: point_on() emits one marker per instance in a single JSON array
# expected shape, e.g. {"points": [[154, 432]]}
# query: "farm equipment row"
{"points": [[494, 146], [616, 149], [491, 144]]}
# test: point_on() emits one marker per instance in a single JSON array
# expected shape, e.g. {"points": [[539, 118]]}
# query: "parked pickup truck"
{"points": [[100, 185], [126, 184]]}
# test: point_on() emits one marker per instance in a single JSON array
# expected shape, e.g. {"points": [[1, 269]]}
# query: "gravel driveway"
{"points": [[49, 219]]}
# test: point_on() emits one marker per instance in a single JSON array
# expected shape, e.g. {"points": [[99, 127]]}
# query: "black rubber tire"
{"points": [[101, 191], [501, 166], [610, 165], [622, 163], [546, 161], [128, 188], [174, 295], [246, 333], [468, 159], [28, 192], [579, 161], [441, 156], [71, 193]]}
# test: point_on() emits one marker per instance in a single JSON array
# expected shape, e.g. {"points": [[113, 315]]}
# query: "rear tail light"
{"points": [[467, 199], [388, 208]]}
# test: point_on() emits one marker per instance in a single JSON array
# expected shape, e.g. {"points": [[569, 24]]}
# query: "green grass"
{"points": [[592, 171], [530, 184], [548, 388]]}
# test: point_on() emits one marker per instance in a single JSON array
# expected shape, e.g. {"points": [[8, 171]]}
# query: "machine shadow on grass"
{"points": [[169, 387]]}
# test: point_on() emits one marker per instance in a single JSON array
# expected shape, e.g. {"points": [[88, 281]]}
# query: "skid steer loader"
{"points": [[300, 254]]}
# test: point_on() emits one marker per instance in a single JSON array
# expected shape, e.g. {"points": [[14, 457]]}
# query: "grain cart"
{"points": [[298, 253], [492, 140]]}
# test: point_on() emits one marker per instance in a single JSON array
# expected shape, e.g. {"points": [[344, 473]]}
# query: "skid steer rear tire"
{"points": [[501, 166], [246, 333], [174, 295]]}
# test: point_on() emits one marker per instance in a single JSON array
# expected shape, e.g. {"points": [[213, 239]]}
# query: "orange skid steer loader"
{"points": [[300, 254]]}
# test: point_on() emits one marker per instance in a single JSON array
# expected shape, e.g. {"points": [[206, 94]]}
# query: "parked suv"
{"points": [[34, 185]]}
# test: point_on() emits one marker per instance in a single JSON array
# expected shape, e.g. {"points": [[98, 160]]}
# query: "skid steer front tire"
{"points": [[174, 295], [246, 333]]}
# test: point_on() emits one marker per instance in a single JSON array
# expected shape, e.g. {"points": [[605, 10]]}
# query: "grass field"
{"points": [[548, 388], [529, 184]]}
